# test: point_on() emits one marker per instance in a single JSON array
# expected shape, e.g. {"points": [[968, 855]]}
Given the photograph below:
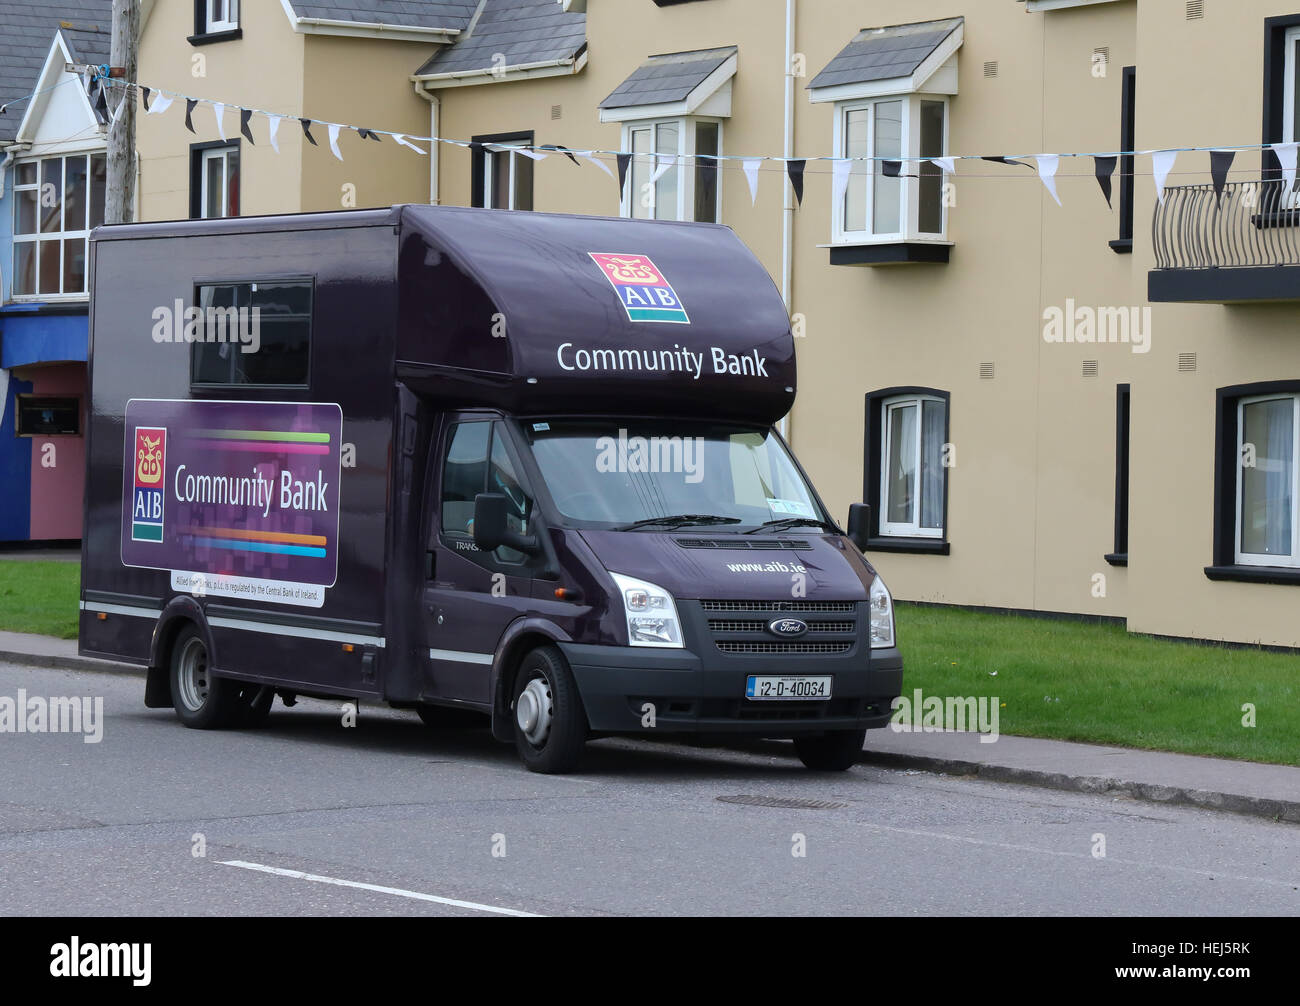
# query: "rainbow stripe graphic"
{"points": [[261, 441], [272, 542]]}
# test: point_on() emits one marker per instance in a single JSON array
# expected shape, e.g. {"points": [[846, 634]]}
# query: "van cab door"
{"points": [[471, 596]]}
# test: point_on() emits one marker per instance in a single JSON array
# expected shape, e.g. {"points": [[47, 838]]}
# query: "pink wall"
{"points": [[57, 492]]}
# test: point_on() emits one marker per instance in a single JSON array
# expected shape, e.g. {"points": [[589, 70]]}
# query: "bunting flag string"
{"points": [[1103, 169], [751, 167], [794, 169], [1220, 162], [1047, 166]]}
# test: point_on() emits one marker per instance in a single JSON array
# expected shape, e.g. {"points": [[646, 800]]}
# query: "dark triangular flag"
{"points": [[368, 134], [1103, 168], [623, 161], [306, 131], [892, 169], [795, 170], [144, 96], [1220, 162], [245, 114], [190, 105], [566, 152], [1006, 160]]}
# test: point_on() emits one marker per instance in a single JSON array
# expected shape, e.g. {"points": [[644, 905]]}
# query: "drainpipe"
{"points": [[787, 215], [435, 106]]}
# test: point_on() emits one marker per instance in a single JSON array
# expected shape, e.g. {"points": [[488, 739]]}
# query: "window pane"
{"points": [[74, 265], [1266, 488], [499, 174], [51, 268], [232, 183], [523, 182], [24, 267], [254, 336], [931, 206], [98, 188], [888, 192], [932, 430], [27, 173], [1295, 92], [641, 167], [74, 202], [666, 142], [464, 477], [25, 211], [706, 173], [519, 507], [51, 195], [215, 175], [900, 476], [855, 145]]}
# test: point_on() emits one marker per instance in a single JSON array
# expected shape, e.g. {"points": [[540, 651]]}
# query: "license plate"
{"points": [[783, 687]]}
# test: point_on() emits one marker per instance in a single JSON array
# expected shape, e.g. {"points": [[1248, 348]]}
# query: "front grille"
{"points": [[746, 544], [735, 646], [780, 607], [728, 625]]}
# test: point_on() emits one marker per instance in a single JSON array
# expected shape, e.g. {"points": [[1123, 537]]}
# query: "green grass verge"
{"points": [[39, 597], [1087, 682]]}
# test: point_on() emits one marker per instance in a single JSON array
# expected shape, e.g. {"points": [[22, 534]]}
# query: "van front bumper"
{"points": [[622, 685]]}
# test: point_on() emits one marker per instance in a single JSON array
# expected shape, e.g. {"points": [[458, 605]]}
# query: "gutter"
{"points": [[502, 74], [332, 26]]}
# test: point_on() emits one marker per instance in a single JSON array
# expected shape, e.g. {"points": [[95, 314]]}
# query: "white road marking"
{"points": [[399, 892]]}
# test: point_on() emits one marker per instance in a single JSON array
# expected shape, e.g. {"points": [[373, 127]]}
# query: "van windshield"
{"points": [[621, 473]]}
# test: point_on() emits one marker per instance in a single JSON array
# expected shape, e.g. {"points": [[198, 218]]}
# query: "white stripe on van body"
{"points": [[462, 656], [270, 628]]}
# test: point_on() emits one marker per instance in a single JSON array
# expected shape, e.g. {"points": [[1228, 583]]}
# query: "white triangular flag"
{"points": [[160, 104], [219, 110], [840, 168], [1286, 155], [334, 140], [1162, 162], [663, 162], [401, 138], [272, 129], [948, 164], [588, 155], [536, 155], [751, 175], [1047, 165]]}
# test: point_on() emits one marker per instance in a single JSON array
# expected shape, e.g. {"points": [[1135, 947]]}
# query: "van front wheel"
{"points": [[201, 700], [834, 751], [550, 723]]}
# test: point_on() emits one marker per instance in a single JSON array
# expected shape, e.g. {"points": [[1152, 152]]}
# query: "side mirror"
{"points": [[859, 524], [491, 530]]}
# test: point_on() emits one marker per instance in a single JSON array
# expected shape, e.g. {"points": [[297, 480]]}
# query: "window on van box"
{"points": [[912, 470], [1268, 432], [57, 200], [474, 467], [255, 333]]}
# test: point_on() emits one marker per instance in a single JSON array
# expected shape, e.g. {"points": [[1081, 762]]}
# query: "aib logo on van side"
{"points": [[150, 460], [645, 294]]}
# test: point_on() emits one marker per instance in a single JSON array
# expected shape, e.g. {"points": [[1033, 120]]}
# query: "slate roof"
{"points": [[450, 14], [667, 78], [884, 53], [27, 28], [524, 31]]}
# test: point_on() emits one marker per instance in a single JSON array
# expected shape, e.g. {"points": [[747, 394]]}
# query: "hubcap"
{"points": [[533, 711], [193, 677]]}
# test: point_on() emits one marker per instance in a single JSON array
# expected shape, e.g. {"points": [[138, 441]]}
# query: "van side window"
{"points": [[251, 333], [464, 476], [519, 505]]}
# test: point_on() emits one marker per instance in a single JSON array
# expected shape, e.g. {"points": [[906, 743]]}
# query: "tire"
{"points": [[201, 700], [550, 723], [447, 718], [835, 751]]}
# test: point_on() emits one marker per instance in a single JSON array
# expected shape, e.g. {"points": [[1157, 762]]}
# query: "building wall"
{"points": [[57, 463]]}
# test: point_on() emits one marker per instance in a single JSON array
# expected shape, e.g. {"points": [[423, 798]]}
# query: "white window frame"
{"points": [[212, 154], [1256, 558], [489, 161], [60, 235], [685, 166], [1290, 38], [221, 15], [909, 215], [912, 528]]}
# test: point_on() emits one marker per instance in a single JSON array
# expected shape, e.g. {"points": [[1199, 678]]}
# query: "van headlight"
{"points": [[882, 614], [651, 614]]}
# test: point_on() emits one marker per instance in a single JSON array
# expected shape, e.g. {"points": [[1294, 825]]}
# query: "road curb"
{"points": [[1275, 810], [60, 663]]}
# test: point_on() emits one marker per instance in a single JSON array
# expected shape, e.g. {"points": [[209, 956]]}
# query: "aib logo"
{"points": [[645, 294], [150, 462]]}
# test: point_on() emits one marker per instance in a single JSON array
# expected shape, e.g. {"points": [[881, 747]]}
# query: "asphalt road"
{"points": [[390, 817]]}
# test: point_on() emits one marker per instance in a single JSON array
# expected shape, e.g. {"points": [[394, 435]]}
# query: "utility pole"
{"points": [[120, 195]]}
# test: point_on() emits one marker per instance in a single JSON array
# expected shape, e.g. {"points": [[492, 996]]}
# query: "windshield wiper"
{"points": [[681, 520], [781, 522]]}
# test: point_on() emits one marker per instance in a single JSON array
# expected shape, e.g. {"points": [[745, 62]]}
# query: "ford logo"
{"points": [[788, 627]]}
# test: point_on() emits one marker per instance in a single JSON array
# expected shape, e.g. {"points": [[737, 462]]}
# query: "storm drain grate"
{"points": [[782, 802]]}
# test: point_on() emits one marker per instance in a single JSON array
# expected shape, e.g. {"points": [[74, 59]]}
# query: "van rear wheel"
{"points": [[550, 723], [201, 700], [833, 751]]}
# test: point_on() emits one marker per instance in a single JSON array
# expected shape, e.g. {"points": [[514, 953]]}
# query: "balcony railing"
{"points": [[1254, 224]]}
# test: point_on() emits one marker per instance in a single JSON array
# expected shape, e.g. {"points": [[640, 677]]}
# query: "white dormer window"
{"points": [[222, 15]]}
